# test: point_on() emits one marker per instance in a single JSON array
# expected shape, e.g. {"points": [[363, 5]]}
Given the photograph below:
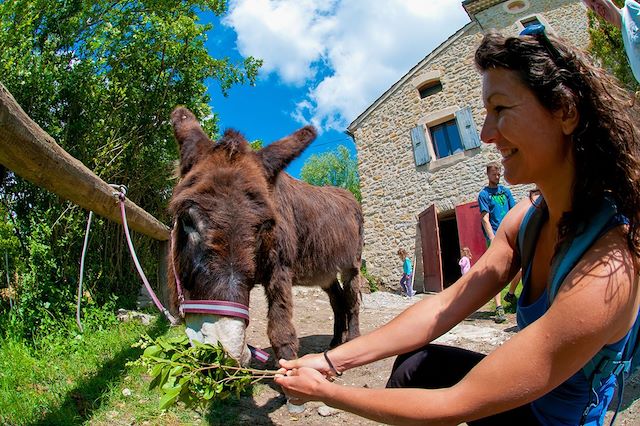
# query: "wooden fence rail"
{"points": [[30, 152]]}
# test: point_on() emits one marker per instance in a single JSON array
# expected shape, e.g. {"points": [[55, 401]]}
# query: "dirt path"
{"points": [[314, 322]]}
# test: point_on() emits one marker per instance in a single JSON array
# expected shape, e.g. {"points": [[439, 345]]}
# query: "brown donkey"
{"points": [[241, 220]]}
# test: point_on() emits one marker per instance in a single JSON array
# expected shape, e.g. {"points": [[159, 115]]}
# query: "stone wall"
{"points": [[394, 190]]}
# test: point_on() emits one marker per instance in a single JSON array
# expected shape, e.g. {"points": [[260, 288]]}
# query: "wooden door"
{"points": [[430, 237], [470, 229]]}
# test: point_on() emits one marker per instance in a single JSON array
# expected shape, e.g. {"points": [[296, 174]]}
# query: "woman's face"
{"points": [[534, 142]]}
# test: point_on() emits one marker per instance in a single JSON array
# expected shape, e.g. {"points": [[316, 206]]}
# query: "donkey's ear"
{"points": [[191, 138], [277, 155]]}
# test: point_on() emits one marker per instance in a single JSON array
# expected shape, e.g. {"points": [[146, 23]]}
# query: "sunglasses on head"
{"points": [[538, 32]]}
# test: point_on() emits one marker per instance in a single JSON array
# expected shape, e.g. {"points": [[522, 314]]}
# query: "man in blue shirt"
{"points": [[494, 202]]}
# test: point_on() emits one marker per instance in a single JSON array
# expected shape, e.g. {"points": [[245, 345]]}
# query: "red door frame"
{"points": [[431, 261], [470, 229]]}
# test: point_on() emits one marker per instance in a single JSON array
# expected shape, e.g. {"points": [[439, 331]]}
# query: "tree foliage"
{"points": [[101, 77], [608, 48], [336, 168]]}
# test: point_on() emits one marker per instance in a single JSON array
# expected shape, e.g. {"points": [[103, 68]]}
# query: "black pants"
{"points": [[437, 366]]}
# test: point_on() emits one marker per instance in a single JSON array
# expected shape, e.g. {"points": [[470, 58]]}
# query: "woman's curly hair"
{"points": [[606, 144]]}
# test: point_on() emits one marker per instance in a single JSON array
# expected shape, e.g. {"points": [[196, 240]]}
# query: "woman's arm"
{"points": [[607, 10], [596, 305], [434, 315]]}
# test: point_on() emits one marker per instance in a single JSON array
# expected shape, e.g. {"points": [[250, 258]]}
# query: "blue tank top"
{"points": [[566, 404]]}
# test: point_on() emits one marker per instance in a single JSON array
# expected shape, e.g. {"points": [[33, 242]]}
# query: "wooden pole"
{"points": [[30, 152]]}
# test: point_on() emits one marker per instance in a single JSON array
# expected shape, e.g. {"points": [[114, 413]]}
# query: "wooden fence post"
{"points": [[30, 152]]}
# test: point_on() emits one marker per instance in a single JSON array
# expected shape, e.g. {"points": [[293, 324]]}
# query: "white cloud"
{"points": [[345, 52]]}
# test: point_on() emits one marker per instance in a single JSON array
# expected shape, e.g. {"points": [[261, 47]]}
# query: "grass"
{"points": [[86, 380], [81, 380], [65, 378]]}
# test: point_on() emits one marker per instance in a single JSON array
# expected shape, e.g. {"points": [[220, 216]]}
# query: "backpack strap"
{"points": [[528, 233], [572, 251]]}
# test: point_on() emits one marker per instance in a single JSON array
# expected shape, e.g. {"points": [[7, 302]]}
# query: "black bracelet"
{"points": [[326, 357]]}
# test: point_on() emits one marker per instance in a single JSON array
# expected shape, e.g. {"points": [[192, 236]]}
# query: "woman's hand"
{"points": [[315, 361], [302, 384]]}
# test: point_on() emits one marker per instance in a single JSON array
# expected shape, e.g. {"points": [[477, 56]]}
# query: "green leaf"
{"points": [[170, 396], [176, 371], [152, 351]]}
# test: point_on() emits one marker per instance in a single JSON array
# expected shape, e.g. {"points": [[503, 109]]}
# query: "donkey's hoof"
{"points": [[289, 351]]}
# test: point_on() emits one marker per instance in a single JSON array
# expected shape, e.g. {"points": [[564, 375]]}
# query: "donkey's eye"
{"points": [[187, 224]]}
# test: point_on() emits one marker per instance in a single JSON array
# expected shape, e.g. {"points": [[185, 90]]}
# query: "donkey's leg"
{"points": [[351, 299], [336, 298], [280, 330]]}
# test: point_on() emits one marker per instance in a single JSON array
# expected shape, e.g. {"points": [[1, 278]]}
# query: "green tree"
{"points": [[336, 168], [607, 47], [101, 77], [256, 145]]}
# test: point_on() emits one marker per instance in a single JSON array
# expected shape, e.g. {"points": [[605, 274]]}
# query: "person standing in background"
{"points": [[465, 260], [407, 272], [494, 201]]}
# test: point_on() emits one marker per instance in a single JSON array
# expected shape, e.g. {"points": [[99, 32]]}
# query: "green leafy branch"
{"points": [[194, 374]]}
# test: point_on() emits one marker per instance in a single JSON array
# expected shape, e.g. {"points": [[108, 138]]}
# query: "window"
{"points": [[516, 6], [430, 88], [446, 139], [527, 22], [446, 132]]}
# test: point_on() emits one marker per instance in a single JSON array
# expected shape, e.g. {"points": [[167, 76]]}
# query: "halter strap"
{"points": [[216, 307]]}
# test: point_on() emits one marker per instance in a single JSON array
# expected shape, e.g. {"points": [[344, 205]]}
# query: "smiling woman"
{"points": [[563, 124]]}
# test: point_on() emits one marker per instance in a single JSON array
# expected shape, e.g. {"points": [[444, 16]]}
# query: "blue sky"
{"points": [[325, 61]]}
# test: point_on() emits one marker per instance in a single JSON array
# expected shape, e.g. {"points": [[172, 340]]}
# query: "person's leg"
{"points": [[438, 366], [511, 294], [499, 309], [410, 291], [432, 367], [403, 284]]}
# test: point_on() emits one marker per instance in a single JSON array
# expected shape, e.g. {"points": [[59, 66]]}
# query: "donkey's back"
{"points": [[324, 226]]}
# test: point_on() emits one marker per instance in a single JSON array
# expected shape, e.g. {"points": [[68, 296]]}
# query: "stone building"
{"points": [[420, 159]]}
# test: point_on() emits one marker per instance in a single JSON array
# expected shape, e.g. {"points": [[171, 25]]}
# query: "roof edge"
{"points": [[384, 96], [476, 6]]}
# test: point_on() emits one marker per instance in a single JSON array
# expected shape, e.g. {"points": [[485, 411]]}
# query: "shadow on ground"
{"points": [[481, 315], [630, 395], [81, 401]]}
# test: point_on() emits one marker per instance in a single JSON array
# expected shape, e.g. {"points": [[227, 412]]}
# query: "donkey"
{"points": [[240, 220]]}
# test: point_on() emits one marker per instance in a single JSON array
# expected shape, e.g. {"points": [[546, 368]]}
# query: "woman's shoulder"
{"points": [[513, 219]]}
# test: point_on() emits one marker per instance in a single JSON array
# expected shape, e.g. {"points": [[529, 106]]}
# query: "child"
{"points": [[465, 260], [407, 269]]}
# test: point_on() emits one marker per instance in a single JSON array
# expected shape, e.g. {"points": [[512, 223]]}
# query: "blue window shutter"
{"points": [[420, 151], [467, 129]]}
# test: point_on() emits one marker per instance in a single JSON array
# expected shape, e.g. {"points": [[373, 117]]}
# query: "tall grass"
{"points": [[65, 377]]}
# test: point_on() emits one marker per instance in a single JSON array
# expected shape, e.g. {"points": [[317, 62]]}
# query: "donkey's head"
{"points": [[225, 220]]}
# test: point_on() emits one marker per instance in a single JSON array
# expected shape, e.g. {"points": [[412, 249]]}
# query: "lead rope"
{"points": [[84, 252], [121, 196]]}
